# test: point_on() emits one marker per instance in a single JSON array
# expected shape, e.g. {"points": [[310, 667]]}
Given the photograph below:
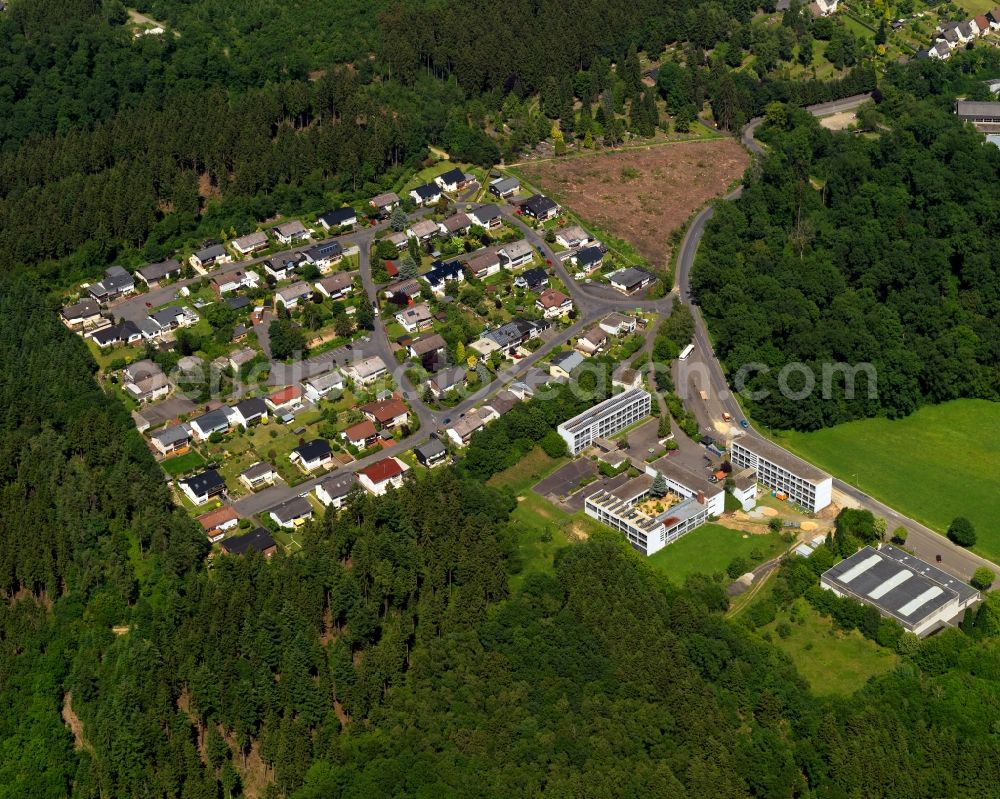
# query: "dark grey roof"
{"points": [[213, 420], [431, 448], [253, 406], [166, 316], [259, 540], [311, 450], [442, 271], [568, 360], [506, 184], [973, 108], [294, 508], [327, 250], [488, 211], [120, 332], [82, 309], [427, 191], [539, 204], [159, 270], [339, 485], [630, 276], [534, 277], [172, 435], [588, 256], [204, 483], [236, 303], [257, 470], [210, 254], [338, 217], [455, 175]]}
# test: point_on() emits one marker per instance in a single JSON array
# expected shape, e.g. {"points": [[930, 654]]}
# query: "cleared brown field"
{"points": [[642, 196]]}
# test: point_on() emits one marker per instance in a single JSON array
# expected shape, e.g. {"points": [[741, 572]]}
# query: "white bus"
{"points": [[686, 352]]}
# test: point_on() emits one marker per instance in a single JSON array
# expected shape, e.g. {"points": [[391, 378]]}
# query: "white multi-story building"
{"points": [[604, 419], [646, 533], [779, 470]]}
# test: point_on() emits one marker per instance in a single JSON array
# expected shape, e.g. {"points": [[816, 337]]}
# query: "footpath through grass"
{"points": [[709, 550], [936, 464]]}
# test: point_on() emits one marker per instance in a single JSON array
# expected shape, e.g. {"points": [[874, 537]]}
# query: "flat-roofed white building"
{"points": [[779, 470], [604, 419], [902, 587], [685, 483], [646, 533]]}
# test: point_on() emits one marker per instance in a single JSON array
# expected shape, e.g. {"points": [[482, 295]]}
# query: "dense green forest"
{"points": [[120, 147], [868, 248], [389, 658]]}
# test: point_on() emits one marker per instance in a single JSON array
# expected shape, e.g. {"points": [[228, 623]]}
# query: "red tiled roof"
{"points": [[391, 269], [285, 395], [386, 410], [382, 470], [212, 519], [362, 430]]}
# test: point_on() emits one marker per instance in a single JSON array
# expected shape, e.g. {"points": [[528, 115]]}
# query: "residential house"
{"points": [[260, 540], [149, 328], [217, 421], [382, 474], [463, 429], [212, 255], [325, 255], [292, 295], [592, 341], [149, 388], [126, 332], [630, 280], [823, 8], [540, 207], [415, 318], [341, 217], [366, 371], [117, 282], [282, 267], [336, 286], [334, 490], [982, 24], [293, 513], [563, 364], [248, 412], [409, 287], [626, 378], [361, 435], [966, 32], [284, 400], [250, 243], [431, 453], [484, 264], [443, 273], [455, 224], [171, 440], [202, 487], [384, 203], [82, 315], [240, 358], [616, 324], [941, 50], [532, 279], [173, 317], [487, 216], [312, 455], [398, 238], [572, 237], [504, 187], [320, 386], [291, 232], [240, 332], [511, 335], [238, 303], [216, 522], [155, 274], [516, 254], [502, 402], [387, 413], [553, 304], [259, 475], [588, 259], [423, 230], [428, 348], [234, 281], [428, 194], [140, 370], [447, 380], [994, 17], [452, 180]]}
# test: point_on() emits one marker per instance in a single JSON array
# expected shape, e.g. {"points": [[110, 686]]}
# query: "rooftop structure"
{"points": [[779, 470], [604, 419]]}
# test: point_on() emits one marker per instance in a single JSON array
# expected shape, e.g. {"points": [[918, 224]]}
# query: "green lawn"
{"points": [[527, 471], [831, 661], [182, 464], [709, 549], [937, 463]]}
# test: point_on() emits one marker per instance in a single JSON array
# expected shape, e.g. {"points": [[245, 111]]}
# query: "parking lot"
{"points": [[564, 480], [576, 501]]}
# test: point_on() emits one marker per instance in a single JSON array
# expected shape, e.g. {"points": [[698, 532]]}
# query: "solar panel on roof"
{"points": [[897, 579], [860, 568], [916, 602]]}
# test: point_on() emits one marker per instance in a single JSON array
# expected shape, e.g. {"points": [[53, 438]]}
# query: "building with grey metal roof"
{"points": [[604, 419], [921, 597]]}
